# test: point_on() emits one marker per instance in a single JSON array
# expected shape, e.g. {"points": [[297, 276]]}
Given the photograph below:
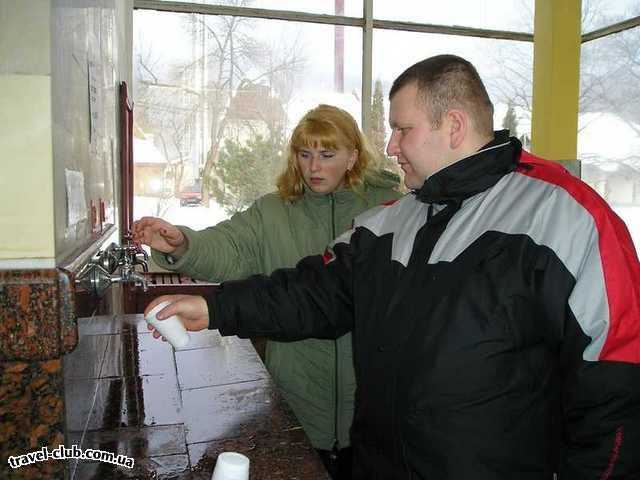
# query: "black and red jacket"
{"points": [[496, 325]]}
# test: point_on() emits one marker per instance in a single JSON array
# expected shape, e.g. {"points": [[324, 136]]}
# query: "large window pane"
{"points": [[514, 15], [350, 8], [602, 13], [216, 99], [609, 123], [505, 67]]}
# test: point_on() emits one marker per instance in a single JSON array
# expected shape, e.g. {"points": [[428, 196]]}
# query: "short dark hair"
{"points": [[449, 81]]}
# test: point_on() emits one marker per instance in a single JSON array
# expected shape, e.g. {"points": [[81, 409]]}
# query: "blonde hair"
{"points": [[328, 127]]}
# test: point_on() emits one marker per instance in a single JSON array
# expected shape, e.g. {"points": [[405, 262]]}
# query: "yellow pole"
{"points": [[556, 79]]}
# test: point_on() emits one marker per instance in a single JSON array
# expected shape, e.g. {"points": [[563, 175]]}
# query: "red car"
{"points": [[191, 195]]}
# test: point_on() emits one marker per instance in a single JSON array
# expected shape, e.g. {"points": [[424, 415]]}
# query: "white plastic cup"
{"points": [[231, 466], [170, 328]]}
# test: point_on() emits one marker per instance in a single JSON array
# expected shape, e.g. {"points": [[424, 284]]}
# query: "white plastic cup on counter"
{"points": [[170, 328], [231, 466]]}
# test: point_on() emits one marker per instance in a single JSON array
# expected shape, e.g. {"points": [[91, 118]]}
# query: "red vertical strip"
{"points": [[338, 54], [101, 213], [126, 162], [94, 216]]}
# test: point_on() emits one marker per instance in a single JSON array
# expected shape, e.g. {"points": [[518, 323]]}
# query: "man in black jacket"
{"points": [[495, 308]]}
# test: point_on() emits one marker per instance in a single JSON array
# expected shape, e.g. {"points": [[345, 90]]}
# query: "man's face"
{"points": [[419, 149]]}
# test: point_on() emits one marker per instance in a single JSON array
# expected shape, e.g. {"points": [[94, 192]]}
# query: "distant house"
{"points": [[253, 110], [306, 100], [609, 149], [149, 167]]}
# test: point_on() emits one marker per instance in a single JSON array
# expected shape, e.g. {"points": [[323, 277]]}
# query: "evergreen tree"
{"points": [[378, 131], [510, 122], [248, 171]]}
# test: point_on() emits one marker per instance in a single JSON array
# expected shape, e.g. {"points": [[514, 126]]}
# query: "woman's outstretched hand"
{"points": [[158, 234]]}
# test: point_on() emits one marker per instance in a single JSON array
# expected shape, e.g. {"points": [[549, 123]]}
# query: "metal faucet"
{"points": [[97, 275], [129, 275]]}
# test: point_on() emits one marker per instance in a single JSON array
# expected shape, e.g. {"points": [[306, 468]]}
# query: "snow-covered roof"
{"points": [[305, 101], [607, 136], [144, 151]]}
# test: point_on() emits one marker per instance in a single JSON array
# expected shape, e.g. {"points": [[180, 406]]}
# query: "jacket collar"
{"points": [[472, 174], [341, 195]]}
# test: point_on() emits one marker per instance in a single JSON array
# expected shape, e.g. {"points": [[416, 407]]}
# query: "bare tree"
{"points": [[165, 107], [604, 63], [232, 56], [613, 66], [188, 105]]}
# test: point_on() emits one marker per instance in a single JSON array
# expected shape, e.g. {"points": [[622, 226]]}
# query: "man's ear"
{"points": [[458, 121]]}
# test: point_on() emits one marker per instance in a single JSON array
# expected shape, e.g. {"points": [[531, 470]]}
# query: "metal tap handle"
{"points": [[139, 278], [143, 263], [97, 275]]}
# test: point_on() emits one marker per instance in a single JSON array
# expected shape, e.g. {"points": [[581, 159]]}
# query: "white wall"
{"points": [[45, 51], [26, 171]]}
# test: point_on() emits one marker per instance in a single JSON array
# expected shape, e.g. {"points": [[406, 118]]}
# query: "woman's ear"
{"points": [[458, 121], [352, 159]]}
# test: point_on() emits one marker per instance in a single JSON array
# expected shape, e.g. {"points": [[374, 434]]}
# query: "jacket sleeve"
{"points": [[226, 251], [600, 358], [312, 300]]}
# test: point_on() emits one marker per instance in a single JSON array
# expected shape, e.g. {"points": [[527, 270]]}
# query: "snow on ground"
{"points": [[197, 217], [630, 214], [607, 136]]}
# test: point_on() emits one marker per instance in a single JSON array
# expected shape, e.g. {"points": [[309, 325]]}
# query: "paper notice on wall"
{"points": [[94, 102], [76, 202]]}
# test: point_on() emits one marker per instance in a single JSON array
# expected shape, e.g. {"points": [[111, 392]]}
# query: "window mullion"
{"points": [[367, 47]]}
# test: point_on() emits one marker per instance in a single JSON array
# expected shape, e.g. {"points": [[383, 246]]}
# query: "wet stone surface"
{"points": [[173, 412]]}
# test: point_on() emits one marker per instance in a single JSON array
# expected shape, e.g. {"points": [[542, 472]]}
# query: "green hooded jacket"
{"points": [[315, 376]]}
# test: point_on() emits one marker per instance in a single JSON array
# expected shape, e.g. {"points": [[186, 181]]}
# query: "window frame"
{"points": [[368, 23]]}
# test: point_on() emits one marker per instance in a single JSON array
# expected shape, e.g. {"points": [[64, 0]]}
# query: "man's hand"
{"points": [[158, 234], [191, 309]]}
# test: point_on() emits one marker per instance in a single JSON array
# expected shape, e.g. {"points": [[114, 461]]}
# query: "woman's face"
{"points": [[323, 169]]}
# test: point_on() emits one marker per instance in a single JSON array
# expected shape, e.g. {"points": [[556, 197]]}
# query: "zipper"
{"points": [[336, 444], [333, 216], [429, 212]]}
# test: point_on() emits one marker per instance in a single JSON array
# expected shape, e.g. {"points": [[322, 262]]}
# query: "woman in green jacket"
{"points": [[327, 182]]}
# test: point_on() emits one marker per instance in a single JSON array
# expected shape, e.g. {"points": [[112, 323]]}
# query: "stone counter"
{"points": [[175, 411]]}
